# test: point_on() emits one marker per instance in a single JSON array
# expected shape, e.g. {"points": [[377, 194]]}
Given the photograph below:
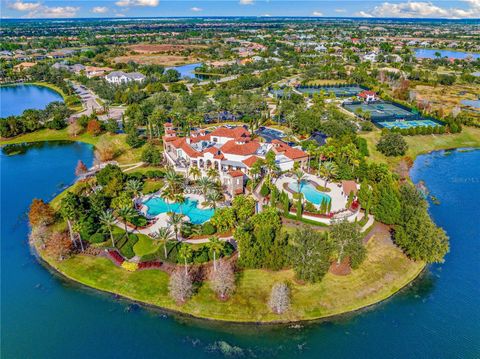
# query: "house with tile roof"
{"points": [[230, 150]]}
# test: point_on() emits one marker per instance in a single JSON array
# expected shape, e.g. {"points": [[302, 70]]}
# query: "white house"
{"points": [[120, 77]]}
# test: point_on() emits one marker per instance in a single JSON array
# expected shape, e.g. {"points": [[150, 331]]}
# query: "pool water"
{"points": [[157, 205], [310, 192], [408, 124]]}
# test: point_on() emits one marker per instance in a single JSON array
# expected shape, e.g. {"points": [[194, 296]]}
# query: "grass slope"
{"points": [[385, 271], [469, 137]]}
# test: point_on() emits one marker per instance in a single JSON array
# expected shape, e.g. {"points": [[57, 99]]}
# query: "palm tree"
{"points": [[164, 234], [300, 176], [135, 186], [328, 170], [76, 228], [213, 198], [205, 185], [186, 253], [179, 198], [108, 220], [168, 195], [126, 213], [172, 178], [212, 173], [175, 221], [215, 245], [194, 172], [68, 210]]}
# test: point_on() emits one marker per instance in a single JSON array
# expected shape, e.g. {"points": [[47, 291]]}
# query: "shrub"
{"points": [[208, 229], [151, 155], [265, 190], [94, 127], [40, 213], [97, 237], [127, 247], [201, 255], [130, 266]]}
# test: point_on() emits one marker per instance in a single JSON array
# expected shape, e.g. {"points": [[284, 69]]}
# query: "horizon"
{"points": [[311, 9]]}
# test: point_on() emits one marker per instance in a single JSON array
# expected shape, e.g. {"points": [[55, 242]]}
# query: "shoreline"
{"points": [[59, 273]]}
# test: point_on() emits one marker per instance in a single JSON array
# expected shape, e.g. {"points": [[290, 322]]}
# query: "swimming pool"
{"points": [[408, 124], [310, 192], [157, 205]]}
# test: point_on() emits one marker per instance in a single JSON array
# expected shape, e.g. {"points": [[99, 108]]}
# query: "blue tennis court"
{"points": [[408, 124]]}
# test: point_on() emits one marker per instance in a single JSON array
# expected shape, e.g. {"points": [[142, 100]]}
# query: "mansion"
{"points": [[230, 150]]}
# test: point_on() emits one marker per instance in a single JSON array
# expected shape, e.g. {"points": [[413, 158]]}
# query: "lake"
{"points": [[471, 103], [430, 54], [18, 98], [186, 70], [44, 316]]}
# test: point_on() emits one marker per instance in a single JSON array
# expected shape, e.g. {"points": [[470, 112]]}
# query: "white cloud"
{"points": [[246, 2], [422, 9], [24, 6], [317, 13], [124, 3], [196, 9], [37, 10], [99, 9], [340, 10]]}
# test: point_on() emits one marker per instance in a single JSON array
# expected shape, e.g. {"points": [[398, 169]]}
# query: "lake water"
{"points": [[472, 103], [185, 70], [18, 98], [430, 54], [45, 317]]}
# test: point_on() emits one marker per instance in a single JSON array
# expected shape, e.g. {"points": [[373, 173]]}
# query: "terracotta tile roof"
{"points": [[349, 186], [366, 93], [182, 144], [235, 132], [236, 173], [169, 139], [244, 149], [250, 161], [295, 153], [168, 124], [199, 138]]}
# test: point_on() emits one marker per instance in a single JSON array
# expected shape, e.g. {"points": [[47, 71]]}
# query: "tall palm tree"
{"points": [[185, 253], [212, 173], [213, 197], [180, 199], [328, 171], [205, 185], [300, 176], [215, 245], [194, 171], [168, 195], [164, 234], [68, 210], [76, 228], [108, 220], [173, 179], [135, 186], [126, 214], [175, 221]]}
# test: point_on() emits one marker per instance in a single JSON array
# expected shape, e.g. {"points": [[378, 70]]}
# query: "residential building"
{"points": [[120, 77]]}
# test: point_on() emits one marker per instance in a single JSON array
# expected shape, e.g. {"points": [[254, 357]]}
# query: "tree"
{"points": [[108, 220], [215, 245], [40, 213], [392, 144], [328, 171], [223, 280], [94, 127], [175, 220], [205, 185], [151, 155], [212, 173], [194, 171], [213, 197], [180, 286], [126, 214], [104, 150], [311, 254], [74, 129], [111, 125], [81, 168], [347, 242], [69, 209], [39, 235], [279, 301], [365, 196], [186, 254], [135, 186], [59, 246], [300, 176], [386, 202], [164, 234]]}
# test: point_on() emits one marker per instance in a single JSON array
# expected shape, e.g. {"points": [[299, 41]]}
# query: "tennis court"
{"points": [[380, 110], [338, 91], [408, 124]]}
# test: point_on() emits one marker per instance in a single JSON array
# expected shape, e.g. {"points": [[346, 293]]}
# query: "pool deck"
{"points": [[339, 201]]}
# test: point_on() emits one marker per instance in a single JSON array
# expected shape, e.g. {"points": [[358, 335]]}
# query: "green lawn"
{"points": [[125, 154], [384, 272], [469, 137], [145, 245]]}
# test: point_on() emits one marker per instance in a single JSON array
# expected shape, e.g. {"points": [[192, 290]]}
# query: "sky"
{"points": [[460, 9]]}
